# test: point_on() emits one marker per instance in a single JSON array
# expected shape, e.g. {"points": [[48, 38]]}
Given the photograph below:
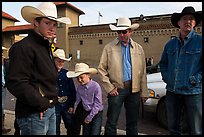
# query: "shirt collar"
{"points": [[129, 43], [88, 84]]}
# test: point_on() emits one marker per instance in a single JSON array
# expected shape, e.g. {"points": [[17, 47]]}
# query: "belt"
{"points": [[62, 99], [127, 84]]}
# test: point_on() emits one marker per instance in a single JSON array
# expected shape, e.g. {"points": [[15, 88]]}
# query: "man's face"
{"points": [[46, 27], [124, 35], [187, 22]]}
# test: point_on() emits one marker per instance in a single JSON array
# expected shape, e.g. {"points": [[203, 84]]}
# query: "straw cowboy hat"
{"points": [[45, 9], [59, 53], [187, 10], [81, 68], [123, 23]]}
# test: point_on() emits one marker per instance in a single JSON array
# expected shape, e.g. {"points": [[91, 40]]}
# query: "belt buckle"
{"points": [[127, 84], [62, 99]]}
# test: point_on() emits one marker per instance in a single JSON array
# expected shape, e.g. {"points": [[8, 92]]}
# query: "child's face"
{"points": [[83, 79], [59, 63]]}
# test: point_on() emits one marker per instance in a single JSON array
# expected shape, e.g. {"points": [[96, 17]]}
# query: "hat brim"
{"points": [[133, 26], [73, 74], [4, 48], [62, 58], [29, 13], [176, 17]]}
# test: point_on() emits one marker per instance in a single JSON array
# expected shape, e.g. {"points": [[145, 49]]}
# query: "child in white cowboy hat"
{"points": [[89, 110], [64, 107], [33, 82]]}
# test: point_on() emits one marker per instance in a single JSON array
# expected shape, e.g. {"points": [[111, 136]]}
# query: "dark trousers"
{"points": [[62, 114], [131, 102], [93, 128], [16, 127], [192, 107]]}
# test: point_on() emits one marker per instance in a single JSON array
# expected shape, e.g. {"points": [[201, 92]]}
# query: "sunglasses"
{"points": [[122, 31]]}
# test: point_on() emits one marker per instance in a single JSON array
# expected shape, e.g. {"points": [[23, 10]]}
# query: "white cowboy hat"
{"points": [[59, 53], [45, 9], [4, 48], [81, 68], [123, 23]]}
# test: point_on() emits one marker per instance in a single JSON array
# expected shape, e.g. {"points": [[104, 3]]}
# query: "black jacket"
{"points": [[32, 75]]}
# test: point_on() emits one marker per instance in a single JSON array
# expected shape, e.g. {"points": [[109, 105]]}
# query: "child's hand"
{"points": [[86, 121], [71, 110]]}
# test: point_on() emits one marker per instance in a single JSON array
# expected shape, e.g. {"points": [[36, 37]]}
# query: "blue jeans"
{"points": [[131, 103], [192, 108], [94, 127], [65, 116], [32, 125]]}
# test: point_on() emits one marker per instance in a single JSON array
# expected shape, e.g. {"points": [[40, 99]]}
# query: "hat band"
{"points": [[52, 17], [123, 26]]}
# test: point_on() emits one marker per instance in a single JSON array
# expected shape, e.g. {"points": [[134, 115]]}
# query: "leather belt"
{"points": [[62, 99], [127, 84]]}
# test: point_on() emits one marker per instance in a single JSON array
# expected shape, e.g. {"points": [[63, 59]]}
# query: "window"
{"points": [[100, 42], [59, 25], [81, 42], [146, 39]]}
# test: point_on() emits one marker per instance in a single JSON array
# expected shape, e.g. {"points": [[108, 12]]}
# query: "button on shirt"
{"points": [[126, 60], [66, 87], [91, 97]]}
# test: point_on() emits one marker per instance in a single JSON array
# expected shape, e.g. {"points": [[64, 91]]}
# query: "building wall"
{"points": [[91, 50], [6, 22]]}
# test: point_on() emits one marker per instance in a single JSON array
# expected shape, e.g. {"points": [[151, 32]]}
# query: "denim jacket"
{"points": [[181, 65]]}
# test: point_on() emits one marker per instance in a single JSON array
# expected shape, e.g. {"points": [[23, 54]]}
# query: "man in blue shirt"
{"points": [[181, 69], [64, 108]]}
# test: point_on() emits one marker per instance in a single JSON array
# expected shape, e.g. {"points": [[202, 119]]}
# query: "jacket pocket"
{"points": [[193, 56]]}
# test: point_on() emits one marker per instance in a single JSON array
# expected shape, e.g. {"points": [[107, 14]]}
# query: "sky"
{"points": [[110, 11]]}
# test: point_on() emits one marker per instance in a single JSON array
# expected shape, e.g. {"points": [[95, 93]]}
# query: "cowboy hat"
{"points": [[45, 9], [81, 68], [187, 10], [4, 48], [123, 23], [59, 53]]}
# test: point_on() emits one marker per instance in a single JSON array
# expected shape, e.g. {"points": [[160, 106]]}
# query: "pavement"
{"points": [[9, 123]]}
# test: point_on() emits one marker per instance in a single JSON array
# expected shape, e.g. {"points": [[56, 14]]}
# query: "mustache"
{"points": [[188, 25]]}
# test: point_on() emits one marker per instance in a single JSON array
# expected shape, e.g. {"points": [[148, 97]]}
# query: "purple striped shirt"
{"points": [[91, 97]]}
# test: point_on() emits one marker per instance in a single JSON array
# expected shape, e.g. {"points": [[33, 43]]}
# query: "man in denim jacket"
{"points": [[181, 69]]}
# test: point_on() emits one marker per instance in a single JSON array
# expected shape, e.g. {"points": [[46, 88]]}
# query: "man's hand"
{"points": [[144, 99], [114, 92], [41, 115]]}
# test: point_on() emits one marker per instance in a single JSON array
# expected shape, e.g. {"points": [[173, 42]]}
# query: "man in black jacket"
{"points": [[32, 73]]}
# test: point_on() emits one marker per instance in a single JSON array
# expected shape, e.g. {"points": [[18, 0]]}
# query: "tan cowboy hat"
{"points": [[59, 53], [81, 68], [187, 10], [123, 23], [45, 9]]}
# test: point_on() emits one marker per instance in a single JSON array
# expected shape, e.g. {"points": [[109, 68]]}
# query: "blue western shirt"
{"points": [[181, 65], [67, 88], [126, 60]]}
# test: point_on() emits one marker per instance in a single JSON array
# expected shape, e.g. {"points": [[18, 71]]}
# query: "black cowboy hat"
{"points": [[187, 10]]}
